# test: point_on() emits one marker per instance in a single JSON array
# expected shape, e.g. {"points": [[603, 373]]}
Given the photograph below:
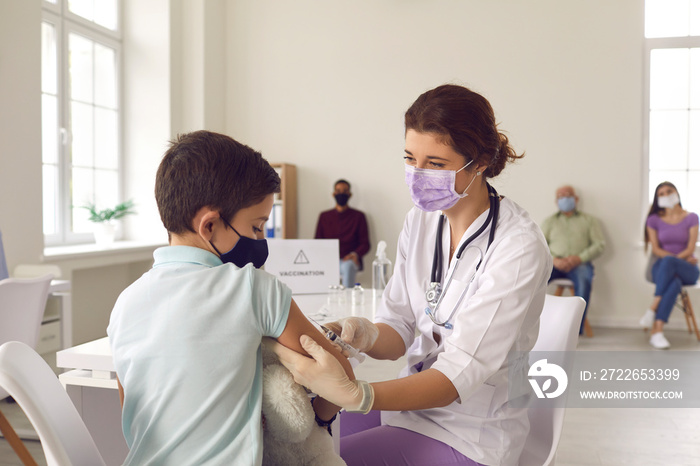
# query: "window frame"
{"points": [[67, 23], [651, 44]]}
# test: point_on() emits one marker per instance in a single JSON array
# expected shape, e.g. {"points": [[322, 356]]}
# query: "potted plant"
{"points": [[103, 219]]}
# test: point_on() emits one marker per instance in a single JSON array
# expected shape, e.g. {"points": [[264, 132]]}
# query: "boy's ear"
{"points": [[205, 222]]}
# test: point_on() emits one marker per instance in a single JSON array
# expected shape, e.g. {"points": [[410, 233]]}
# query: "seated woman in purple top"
{"points": [[672, 233]]}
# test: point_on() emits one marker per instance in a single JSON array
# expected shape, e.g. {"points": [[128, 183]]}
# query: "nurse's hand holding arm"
{"points": [[324, 375]]}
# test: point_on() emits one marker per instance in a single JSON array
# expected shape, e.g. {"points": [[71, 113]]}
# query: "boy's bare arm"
{"points": [[297, 325], [121, 393]]}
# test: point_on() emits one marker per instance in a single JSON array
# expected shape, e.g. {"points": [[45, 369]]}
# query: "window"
{"points": [[672, 123], [81, 130]]}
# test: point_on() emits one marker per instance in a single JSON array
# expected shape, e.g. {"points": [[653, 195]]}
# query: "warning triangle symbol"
{"points": [[301, 258]]}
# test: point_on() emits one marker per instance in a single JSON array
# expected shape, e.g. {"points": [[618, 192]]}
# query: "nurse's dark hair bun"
{"points": [[465, 121]]}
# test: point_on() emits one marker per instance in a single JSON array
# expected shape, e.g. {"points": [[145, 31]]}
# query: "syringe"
{"points": [[332, 336]]}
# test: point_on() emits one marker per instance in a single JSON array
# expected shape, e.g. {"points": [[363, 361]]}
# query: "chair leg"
{"points": [[559, 291], [690, 314], [15, 442]]}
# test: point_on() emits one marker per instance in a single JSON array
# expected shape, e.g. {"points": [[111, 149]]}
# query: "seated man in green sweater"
{"points": [[574, 239]]}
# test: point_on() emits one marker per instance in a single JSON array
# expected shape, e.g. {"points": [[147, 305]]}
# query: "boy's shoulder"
{"points": [[184, 254]]}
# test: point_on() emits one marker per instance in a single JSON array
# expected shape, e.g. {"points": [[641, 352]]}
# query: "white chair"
{"points": [[36, 270], [563, 284], [35, 387], [22, 304], [559, 325]]}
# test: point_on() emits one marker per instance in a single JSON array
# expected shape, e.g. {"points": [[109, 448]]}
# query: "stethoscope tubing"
{"points": [[436, 269], [433, 314]]}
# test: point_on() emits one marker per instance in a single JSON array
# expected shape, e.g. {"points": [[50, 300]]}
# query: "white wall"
{"points": [[148, 110], [324, 85], [20, 131]]}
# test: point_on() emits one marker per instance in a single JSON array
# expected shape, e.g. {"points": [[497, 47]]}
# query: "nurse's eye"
{"points": [[436, 164], [409, 160], [256, 230]]}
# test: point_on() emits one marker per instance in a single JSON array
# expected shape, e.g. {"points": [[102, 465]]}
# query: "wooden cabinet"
{"points": [[283, 218]]}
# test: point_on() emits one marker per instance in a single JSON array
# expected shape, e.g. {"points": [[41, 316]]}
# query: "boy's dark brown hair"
{"points": [[206, 169]]}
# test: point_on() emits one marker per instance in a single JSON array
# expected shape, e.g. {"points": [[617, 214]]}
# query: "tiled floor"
{"points": [[610, 437]]}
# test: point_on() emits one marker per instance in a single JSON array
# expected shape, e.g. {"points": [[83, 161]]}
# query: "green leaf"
{"points": [[105, 215]]}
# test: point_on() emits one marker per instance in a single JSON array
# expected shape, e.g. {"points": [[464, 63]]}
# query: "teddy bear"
{"points": [[291, 435]]}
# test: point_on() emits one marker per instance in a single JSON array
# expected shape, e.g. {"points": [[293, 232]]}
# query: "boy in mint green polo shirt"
{"points": [[574, 239], [186, 336]]}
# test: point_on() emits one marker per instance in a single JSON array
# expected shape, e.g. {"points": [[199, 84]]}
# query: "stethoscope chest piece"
{"points": [[432, 295]]}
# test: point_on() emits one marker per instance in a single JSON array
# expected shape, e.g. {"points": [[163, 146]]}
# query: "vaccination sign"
{"points": [[305, 265], [605, 379]]}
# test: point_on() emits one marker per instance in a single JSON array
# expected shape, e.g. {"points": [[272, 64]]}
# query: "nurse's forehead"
{"points": [[428, 145]]}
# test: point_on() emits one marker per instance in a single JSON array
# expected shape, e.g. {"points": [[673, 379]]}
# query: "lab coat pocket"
{"points": [[476, 409], [479, 403]]}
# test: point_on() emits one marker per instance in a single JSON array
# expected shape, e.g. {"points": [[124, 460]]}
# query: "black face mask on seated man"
{"points": [[342, 199]]}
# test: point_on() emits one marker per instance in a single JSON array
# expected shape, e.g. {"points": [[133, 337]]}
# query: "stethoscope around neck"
{"points": [[436, 291]]}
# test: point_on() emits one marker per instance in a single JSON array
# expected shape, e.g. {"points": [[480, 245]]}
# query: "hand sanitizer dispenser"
{"points": [[381, 269]]}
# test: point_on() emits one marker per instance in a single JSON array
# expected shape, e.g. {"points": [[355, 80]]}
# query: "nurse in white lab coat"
{"points": [[449, 404]]}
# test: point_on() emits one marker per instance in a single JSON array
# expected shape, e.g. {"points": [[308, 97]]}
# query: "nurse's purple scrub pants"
{"points": [[365, 442]]}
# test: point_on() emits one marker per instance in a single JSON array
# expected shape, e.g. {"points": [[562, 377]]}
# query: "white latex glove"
{"points": [[321, 373], [358, 332]]}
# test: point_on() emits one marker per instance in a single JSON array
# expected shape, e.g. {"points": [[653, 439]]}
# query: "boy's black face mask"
{"points": [[247, 250]]}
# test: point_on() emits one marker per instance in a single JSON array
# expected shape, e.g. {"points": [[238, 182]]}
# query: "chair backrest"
{"points": [[35, 387], [559, 326], [36, 270], [560, 322], [650, 265], [22, 304]]}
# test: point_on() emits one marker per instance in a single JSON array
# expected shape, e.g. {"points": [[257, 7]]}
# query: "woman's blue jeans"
{"points": [[670, 274]]}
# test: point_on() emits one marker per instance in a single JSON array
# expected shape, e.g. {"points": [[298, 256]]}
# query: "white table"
{"points": [[322, 309], [92, 386], [91, 380]]}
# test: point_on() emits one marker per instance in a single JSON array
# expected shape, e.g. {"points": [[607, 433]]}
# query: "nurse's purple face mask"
{"points": [[433, 190]]}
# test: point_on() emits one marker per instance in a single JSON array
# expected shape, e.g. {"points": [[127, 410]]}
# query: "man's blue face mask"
{"points": [[247, 250], [566, 204]]}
